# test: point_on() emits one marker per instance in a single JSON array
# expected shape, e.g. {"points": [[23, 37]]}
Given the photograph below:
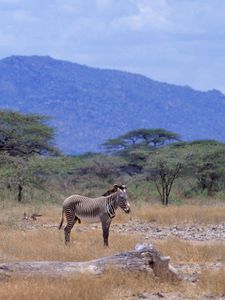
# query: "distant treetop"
{"points": [[140, 138], [25, 134]]}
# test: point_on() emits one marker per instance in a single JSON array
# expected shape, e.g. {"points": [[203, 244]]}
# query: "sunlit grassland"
{"points": [[41, 240], [112, 285], [193, 214], [182, 251]]}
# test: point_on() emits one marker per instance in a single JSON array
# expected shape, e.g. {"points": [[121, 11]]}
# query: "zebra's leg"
{"points": [[105, 230], [68, 228]]}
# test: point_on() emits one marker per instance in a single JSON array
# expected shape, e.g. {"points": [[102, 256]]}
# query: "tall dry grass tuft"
{"points": [[48, 244], [112, 285], [186, 251], [180, 214], [81, 287], [212, 282]]}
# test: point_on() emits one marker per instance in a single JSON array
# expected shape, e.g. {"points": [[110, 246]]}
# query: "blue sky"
{"points": [[175, 41]]}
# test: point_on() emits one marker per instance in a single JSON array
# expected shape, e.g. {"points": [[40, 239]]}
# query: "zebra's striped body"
{"points": [[101, 209]]}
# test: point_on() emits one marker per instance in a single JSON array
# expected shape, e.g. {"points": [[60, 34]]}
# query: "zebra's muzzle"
{"points": [[127, 210]]}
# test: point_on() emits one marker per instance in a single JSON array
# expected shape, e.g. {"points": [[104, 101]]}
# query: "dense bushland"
{"points": [[154, 163]]}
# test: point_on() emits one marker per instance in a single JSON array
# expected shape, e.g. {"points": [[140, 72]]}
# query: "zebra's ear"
{"points": [[121, 190], [121, 186], [124, 187], [116, 186]]}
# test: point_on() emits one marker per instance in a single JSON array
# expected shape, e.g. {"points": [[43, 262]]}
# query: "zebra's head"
{"points": [[122, 199]]}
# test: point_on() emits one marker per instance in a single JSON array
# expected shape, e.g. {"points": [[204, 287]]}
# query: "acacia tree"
{"points": [[140, 138], [163, 175], [163, 168], [152, 137], [25, 134], [21, 137], [202, 160], [207, 160], [136, 146]]}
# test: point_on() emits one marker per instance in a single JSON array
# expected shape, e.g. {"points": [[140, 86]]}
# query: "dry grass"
{"points": [[49, 245], [112, 285], [180, 214], [41, 239], [212, 282], [192, 252], [20, 241]]}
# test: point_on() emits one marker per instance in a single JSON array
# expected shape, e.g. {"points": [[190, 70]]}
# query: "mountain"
{"points": [[90, 105]]}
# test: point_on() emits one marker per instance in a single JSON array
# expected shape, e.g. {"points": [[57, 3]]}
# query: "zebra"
{"points": [[101, 209]]}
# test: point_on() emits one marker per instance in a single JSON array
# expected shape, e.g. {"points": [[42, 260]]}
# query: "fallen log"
{"points": [[144, 258]]}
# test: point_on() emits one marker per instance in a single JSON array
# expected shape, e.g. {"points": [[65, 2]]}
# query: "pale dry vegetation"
{"points": [[112, 285], [182, 251], [41, 240], [180, 214], [48, 244], [212, 282]]}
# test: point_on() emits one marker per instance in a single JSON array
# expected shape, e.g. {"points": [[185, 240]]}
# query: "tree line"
{"points": [[30, 160]]}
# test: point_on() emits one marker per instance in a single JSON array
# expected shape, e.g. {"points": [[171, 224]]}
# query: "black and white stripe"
{"points": [[101, 209]]}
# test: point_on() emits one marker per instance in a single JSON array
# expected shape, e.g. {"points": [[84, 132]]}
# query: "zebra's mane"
{"points": [[114, 189]]}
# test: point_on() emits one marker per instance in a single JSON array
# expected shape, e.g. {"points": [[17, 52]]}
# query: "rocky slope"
{"points": [[89, 105]]}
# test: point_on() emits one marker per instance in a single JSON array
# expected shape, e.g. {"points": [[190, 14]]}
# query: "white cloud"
{"points": [[149, 15], [165, 39]]}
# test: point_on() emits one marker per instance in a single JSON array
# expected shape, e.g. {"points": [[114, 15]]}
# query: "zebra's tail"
{"points": [[62, 219]]}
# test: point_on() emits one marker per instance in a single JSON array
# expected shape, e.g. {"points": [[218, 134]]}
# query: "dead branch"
{"points": [[144, 258]]}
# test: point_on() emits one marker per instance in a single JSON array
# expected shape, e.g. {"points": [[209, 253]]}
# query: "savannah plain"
{"points": [[192, 234], [176, 190]]}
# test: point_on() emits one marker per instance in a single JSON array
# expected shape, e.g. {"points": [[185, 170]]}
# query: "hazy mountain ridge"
{"points": [[90, 105]]}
